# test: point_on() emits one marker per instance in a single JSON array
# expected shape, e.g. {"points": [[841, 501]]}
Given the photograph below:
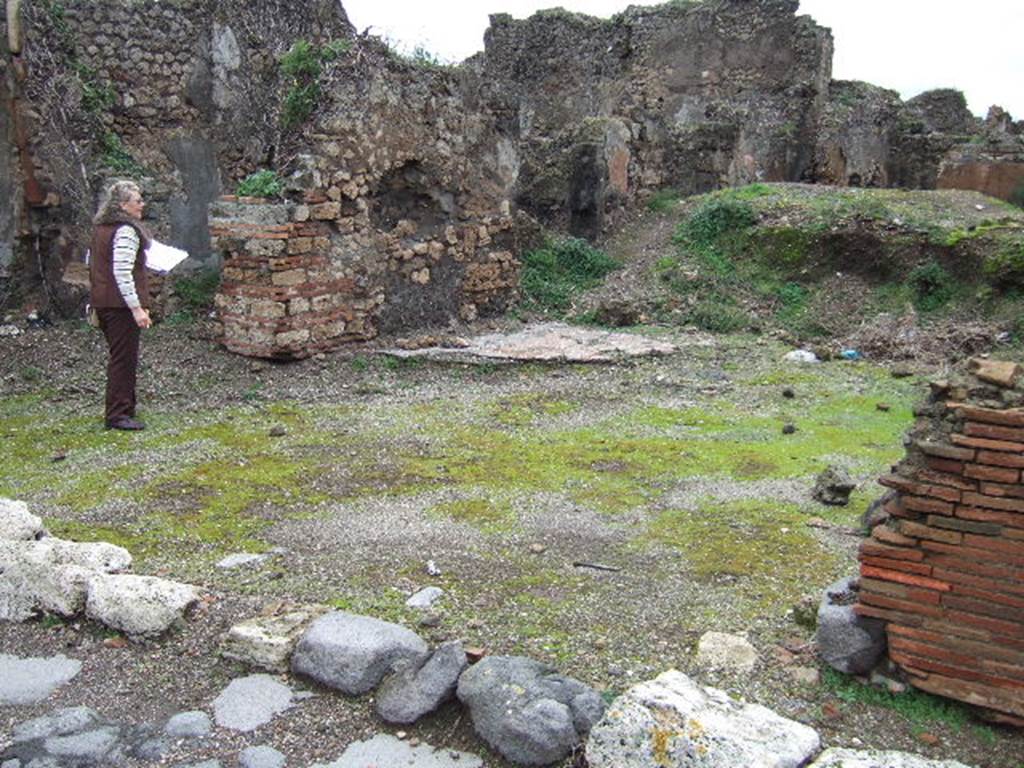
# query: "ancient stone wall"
{"points": [[946, 569], [692, 96], [181, 95], [868, 137], [565, 118], [992, 162]]}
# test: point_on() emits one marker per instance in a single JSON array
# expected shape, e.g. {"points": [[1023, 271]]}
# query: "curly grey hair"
{"points": [[113, 198]]}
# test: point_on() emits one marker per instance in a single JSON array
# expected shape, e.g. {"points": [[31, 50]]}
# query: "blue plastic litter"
{"points": [[850, 354]]}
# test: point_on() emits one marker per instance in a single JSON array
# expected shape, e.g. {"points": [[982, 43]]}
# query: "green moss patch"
{"points": [[485, 514], [524, 409], [765, 546]]}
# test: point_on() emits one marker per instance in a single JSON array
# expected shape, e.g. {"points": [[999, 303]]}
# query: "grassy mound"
{"points": [[820, 262]]}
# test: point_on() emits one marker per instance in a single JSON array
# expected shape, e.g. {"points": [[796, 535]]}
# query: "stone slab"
{"points": [[384, 750], [249, 702], [28, 681], [546, 342]]}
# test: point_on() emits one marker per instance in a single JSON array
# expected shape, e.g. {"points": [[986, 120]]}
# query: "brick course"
{"points": [[946, 570], [304, 278]]}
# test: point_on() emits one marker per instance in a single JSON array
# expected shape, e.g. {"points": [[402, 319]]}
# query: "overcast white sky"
{"points": [[907, 45]]}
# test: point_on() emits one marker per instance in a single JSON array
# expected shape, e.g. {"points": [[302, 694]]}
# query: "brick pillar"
{"points": [[280, 295], [946, 569]]}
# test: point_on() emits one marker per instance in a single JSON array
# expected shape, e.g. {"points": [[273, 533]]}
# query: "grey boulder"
{"points": [[407, 695], [67, 738], [849, 643], [672, 722], [833, 486], [98, 746], [353, 653], [188, 725], [58, 723], [849, 758], [526, 711], [138, 605], [424, 598]]}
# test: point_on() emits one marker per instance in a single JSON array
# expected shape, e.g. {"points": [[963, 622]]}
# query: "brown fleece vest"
{"points": [[103, 292]]}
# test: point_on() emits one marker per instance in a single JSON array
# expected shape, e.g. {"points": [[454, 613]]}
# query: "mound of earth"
{"points": [[896, 274]]}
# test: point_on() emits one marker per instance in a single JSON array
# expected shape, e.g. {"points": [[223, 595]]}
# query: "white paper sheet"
{"points": [[163, 258]]}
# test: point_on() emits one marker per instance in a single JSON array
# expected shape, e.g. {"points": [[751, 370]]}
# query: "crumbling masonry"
{"points": [[563, 120], [946, 570]]}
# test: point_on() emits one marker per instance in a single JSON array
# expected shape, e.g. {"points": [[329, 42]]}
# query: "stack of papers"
{"points": [[163, 258]]}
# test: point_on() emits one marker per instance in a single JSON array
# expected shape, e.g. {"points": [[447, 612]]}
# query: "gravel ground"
{"points": [[577, 464]]}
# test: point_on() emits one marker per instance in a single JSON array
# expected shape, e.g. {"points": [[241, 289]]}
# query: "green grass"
{"points": [[664, 200], [768, 257], [554, 275], [932, 286], [916, 706]]}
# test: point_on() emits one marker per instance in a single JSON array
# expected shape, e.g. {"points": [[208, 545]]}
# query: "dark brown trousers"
{"points": [[122, 334]]}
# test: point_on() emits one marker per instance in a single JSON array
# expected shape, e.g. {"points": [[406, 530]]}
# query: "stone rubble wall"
{"points": [[946, 569], [563, 121], [188, 90]]}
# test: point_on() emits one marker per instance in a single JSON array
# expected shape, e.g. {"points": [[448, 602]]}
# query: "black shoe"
{"points": [[125, 423]]}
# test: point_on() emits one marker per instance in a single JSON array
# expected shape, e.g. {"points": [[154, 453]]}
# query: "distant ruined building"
{"points": [[411, 188]]}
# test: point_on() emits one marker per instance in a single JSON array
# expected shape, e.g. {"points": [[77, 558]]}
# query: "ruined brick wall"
{"points": [[868, 137], [304, 277], [946, 569], [992, 163], [281, 296], [567, 118]]}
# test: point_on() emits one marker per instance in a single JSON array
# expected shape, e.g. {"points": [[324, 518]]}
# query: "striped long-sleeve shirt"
{"points": [[126, 246]]}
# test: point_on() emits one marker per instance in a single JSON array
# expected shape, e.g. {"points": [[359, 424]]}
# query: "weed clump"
{"points": [[303, 65], [115, 156], [932, 286], [553, 275], [1005, 267], [716, 230], [196, 291], [916, 706], [664, 200], [1017, 196], [264, 183]]}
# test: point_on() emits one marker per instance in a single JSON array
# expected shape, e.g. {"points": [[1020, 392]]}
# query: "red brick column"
{"points": [[946, 570], [280, 296]]}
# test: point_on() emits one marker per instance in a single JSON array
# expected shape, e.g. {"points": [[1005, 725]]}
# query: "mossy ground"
{"points": [[599, 518], [201, 484]]}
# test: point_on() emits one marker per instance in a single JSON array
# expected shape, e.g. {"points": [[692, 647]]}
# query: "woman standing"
{"points": [[119, 292]]}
